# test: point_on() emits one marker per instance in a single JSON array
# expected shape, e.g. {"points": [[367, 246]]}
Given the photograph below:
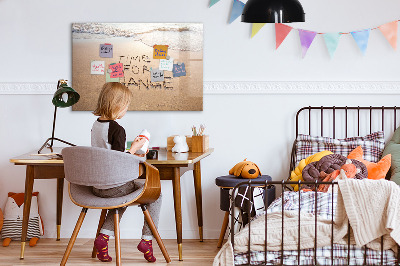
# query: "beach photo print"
{"points": [[161, 63]]}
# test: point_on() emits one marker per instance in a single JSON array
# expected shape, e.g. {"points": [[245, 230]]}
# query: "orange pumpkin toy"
{"points": [[245, 169]]}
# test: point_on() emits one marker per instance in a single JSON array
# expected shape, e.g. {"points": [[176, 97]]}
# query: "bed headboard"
{"points": [[344, 121]]}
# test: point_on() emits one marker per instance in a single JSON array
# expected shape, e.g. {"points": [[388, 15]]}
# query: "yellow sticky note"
{"points": [[160, 51]]}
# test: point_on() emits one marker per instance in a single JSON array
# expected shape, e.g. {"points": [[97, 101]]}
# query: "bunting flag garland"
{"points": [[332, 41], [237, 9], [213, 2], [389, 30], [306, 39], [281, 31], [361, 38], [256, 27]]}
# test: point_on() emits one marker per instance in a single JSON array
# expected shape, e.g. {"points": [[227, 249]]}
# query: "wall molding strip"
{"points": [[244, 87]]}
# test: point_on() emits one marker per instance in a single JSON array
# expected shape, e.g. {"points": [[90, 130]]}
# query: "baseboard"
{"points": [[246, 87]]}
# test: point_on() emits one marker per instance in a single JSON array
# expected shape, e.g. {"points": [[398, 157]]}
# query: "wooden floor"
{"points": [[50, 252]]}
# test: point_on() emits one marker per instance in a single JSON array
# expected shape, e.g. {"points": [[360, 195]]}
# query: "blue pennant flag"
{"points": [[332, 41], [361, 38], [237, 9], [213, 2]]}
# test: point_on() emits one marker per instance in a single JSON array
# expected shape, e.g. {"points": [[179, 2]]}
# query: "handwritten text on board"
{"points": [[97, 67], [106, 50], [157, 75], [166, 64], [117, 70], [179, 70], [160, 51]]}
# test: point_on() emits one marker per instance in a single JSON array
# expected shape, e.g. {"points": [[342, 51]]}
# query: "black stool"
{"points": [[226, 183]]}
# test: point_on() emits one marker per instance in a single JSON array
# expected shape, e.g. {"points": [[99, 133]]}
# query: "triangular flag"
{"points": [[306, 39], [237, 9], [213, 2], [255, 28], [281, 31], [332, 41], [361, 37], [390, 32]]}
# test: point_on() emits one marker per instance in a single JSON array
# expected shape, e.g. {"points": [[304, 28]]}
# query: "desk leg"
{"points": [[60, 190], [176, 182], [27, 206], [199, 204]]}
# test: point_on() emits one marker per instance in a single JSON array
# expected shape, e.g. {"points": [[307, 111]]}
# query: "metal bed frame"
{"points": [[283, 184]]}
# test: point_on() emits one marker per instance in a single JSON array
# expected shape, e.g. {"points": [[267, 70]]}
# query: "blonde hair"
{"points": [[113, 98]]}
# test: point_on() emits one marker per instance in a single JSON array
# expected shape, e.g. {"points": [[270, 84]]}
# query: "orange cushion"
{"points": [[375, 170]]}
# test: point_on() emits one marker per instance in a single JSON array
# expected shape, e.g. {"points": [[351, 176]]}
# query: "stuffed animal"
{"points": [[13, 215], [375, 170], [1, 220], [245, 169], [180, 144]]}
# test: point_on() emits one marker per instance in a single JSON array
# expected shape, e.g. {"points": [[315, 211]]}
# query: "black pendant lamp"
{"points": [[273, 11]]}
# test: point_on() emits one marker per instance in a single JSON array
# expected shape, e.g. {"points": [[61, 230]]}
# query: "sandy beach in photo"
{"points": [[136, 54]]}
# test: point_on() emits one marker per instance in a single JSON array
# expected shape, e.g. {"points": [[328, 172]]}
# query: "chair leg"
{"points": [[117, 239], [101, 222], [154, 230], [73, 237], [223, 229]]}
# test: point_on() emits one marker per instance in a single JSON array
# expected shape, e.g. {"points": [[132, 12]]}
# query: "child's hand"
{"points": [[137, 144]]}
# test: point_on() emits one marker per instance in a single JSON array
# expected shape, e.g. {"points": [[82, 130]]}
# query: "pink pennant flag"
{"points": [[281, 31], [389, 30], [306, 39]]}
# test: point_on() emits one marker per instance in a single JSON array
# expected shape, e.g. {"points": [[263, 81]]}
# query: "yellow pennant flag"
{"points": [[256, 27]]}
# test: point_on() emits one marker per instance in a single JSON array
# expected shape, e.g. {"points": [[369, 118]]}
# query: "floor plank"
{"points": [[49, 252]]}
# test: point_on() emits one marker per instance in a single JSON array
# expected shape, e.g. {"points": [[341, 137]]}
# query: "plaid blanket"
{"points": [[323, 205]]}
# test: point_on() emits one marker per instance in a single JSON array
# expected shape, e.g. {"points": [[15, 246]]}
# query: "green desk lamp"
{"points": [[64, 97]]}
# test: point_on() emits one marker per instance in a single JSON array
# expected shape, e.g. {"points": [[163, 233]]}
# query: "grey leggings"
{"points": [[154, 208]]}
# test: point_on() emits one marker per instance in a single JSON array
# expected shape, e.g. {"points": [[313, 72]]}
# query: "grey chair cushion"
{"points": [[83, 196]]}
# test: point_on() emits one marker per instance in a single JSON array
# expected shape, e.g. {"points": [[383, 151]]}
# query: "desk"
{"points": [[171, 167]]}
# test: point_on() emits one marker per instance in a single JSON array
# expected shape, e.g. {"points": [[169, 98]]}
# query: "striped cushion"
{"points": [[13, 228], [372, 145]]}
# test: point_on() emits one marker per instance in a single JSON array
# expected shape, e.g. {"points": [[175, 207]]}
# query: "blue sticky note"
{"points": [[179, 70]]}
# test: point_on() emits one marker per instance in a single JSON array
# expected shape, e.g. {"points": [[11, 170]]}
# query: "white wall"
{"points": [[35, 41]]}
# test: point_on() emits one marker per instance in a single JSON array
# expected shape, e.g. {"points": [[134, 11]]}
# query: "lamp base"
{"points": [[50, 146]]}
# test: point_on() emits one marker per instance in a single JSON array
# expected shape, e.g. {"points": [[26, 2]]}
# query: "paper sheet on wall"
{"points": [[166, 64], [117, 70], [106, 50], [110, 79], [97, 67], [160, 51], [157, 75], [179, 70]]}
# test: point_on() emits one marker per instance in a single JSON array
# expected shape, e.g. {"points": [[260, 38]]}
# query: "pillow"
{"points": [[372, 144], [375, 170], [393, 148]]}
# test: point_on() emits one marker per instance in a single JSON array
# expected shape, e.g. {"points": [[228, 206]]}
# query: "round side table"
{"points": [[228, 182]]}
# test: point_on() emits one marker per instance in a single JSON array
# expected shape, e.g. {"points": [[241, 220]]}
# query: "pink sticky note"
{"points": [[117, 70]]}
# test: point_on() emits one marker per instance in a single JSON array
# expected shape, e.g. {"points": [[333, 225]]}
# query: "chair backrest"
{"points": [[92, 166]]}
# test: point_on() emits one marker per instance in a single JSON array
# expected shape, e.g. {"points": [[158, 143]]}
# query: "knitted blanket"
{"points": [[371, 207]]}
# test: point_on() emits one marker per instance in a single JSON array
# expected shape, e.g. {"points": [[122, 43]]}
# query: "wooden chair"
{"points": [[85, 167]]}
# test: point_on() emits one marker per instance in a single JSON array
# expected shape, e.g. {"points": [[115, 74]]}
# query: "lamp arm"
{"points": [[54, 126]]}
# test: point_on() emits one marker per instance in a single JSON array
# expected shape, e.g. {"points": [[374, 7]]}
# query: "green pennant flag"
{"points": [[213, 2]]}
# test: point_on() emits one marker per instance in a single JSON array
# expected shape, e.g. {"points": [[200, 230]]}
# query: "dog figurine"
{"points": [[245, 169]]}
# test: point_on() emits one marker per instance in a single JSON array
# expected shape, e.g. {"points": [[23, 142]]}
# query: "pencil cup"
{"points": [[200, 143]]}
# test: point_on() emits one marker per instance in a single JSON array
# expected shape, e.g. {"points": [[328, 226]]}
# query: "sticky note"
{"points": [[106, 50], [157, 75], [160, 51], [166, 64], [97, 67], [109, 79], [179, 70], [117, 70]]}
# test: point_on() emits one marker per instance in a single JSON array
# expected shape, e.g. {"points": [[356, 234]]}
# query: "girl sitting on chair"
{"points": [[112, 104]]}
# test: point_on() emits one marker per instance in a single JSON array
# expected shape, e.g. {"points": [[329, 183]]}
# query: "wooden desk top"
{"points": [[164, 157]]}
